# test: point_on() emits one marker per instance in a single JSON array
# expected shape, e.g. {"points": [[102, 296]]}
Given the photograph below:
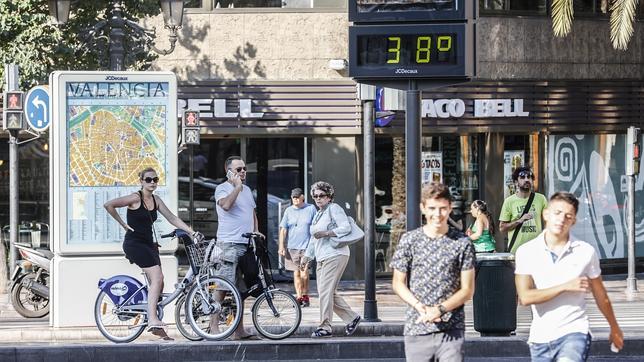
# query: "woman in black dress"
{"points": [[139, 245]]}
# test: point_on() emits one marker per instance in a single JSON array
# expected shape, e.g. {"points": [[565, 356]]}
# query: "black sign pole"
{"points": [[413, 134], [370, 302], [191, 183]]}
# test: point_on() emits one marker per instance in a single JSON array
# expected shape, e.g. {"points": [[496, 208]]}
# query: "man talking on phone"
{"points": [[236, 215]]}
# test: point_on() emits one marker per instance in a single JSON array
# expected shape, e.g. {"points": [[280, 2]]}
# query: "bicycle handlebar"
{"points": [[172, 234], [251, 235]]}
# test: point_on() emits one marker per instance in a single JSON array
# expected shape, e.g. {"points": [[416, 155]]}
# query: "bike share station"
{"points": [[416, 47], [107, 127]]}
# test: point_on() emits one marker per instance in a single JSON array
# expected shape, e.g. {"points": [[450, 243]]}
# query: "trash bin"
{"points": [[495, 296]]}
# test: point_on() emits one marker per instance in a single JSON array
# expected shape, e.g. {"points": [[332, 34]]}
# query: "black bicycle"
{"points": [[276, 313]]}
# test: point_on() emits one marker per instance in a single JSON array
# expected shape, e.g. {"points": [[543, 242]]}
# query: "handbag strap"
{"points": [[331, 215], [517, 230]]}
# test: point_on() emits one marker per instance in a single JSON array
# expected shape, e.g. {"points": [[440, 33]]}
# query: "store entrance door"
{"points": [[275, 167]]}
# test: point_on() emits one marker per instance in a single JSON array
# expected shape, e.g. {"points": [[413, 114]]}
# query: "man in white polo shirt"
{"points": [[553, 274]]}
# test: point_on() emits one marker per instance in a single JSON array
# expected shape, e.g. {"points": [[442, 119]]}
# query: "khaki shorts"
{"points": [[293, 258], [231, 252]]}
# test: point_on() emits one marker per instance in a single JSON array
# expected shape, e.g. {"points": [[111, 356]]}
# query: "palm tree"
{"points": [[622, 17], [398, 222]]}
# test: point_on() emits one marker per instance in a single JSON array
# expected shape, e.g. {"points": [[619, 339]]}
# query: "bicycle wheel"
{"points": [[181, 319], [118, 327], [214, 308], [280, 322]]}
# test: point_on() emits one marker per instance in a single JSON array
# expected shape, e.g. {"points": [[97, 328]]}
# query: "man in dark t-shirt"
{"points": [[439, 263]]}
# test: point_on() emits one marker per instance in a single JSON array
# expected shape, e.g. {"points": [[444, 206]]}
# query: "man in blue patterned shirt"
{"points": [[439, 263]]}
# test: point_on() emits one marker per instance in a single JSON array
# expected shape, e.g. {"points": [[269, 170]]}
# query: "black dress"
{"points": [[139, 245]]}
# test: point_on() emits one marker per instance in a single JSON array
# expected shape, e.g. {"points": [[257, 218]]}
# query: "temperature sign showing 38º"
{"points": [[37, 108]]}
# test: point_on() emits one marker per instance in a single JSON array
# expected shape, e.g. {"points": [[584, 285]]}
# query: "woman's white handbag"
{"points": [[354, 236]]}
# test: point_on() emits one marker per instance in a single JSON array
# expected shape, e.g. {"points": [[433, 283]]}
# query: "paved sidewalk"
{"points": [[391, 311]]}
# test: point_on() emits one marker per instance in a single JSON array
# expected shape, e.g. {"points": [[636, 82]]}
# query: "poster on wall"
{"points": [[432, 167], [511, 160], [592, 167], [112, 126]]}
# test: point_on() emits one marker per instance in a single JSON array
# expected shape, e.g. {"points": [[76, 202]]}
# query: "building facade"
{"points": [[258, 71]]}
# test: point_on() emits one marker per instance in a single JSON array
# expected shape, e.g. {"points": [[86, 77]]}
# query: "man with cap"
{"points": [[294, 229]]}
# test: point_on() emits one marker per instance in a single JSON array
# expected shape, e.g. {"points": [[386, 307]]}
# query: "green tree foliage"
{"points": [[29, 38]]}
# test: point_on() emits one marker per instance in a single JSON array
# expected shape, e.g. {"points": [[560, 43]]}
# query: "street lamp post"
{"points": [[116, 23]]}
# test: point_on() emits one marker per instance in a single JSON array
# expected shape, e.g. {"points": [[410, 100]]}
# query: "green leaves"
{"points": [[30, 39]]}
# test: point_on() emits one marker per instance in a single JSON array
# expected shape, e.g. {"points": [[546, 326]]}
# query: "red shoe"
{"points": [[305, 301]]}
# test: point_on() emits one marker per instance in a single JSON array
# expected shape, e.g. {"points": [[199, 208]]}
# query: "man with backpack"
{"points": [[521, 213]]}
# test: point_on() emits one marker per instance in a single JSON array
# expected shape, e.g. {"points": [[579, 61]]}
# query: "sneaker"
{"points": [[351, 327], [305, 301], [320, 332], [299, 300]]}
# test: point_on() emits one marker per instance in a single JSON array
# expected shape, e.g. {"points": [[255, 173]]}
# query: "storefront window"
{"points": [[513, 5], [453, 160], [592, 167], [242, 4], [518, 150], [33, 197]]}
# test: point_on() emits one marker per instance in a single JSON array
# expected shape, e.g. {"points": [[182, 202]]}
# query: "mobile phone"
{"points": [[230, 174]]}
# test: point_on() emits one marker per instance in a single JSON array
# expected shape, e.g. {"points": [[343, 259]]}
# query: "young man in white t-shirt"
{"points": [[553, 274]]}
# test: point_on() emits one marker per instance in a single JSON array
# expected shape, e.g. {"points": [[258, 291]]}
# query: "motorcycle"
{"points": [[30, 282]]}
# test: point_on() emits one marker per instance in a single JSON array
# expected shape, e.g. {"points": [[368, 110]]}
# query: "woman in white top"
{"points": [[329, 221]]}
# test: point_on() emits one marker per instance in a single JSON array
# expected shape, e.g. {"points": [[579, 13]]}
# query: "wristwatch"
{"points": [[441, 309]]}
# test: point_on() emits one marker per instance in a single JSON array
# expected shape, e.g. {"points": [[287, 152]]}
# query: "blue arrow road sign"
{"points": [[37, 108]]}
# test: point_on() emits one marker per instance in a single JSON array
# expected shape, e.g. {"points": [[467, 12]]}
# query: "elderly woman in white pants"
{"points": [[329, 221]]}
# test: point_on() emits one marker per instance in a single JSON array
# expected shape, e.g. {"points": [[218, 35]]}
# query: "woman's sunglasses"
{"points": [[150, 180], [319, 196]]}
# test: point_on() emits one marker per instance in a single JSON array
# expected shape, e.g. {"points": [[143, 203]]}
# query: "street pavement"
{"points": [[391, 310]]}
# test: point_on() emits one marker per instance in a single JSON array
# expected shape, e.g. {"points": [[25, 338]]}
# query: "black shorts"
{"points": [[142, 253]]}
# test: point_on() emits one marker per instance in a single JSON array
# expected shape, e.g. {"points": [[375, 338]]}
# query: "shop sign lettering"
{"points": [[217, 108], [483, 108]]}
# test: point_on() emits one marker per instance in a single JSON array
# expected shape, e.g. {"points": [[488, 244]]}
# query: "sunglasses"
{"points": [[150, 180], [239, 169], [526, 174], [319, 196]]}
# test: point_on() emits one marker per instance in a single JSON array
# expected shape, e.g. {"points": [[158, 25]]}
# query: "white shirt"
{"points": [[321, 249], [566, 313], [239, 218]]}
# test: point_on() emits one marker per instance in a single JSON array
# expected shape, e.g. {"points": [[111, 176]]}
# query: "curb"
{"points": [[291, 349], [92, 334]]}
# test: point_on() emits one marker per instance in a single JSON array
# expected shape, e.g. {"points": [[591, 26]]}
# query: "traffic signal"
{"points": [[633, 150], [190, 128], [190, 119]]}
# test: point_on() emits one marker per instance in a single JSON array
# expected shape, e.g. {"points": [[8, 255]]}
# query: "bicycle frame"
{"points": [[262, 278], [166, 298]]}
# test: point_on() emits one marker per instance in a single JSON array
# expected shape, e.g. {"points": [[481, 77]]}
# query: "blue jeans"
{"points": [[572, 347]]}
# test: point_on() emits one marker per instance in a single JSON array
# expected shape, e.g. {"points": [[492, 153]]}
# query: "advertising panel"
{"points": [[109, 126], [593, 168], [411, 10], [432, 167], [511, 160]]}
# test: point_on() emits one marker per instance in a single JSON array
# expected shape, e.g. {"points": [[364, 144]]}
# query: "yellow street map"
{"points": [[110, 145]]}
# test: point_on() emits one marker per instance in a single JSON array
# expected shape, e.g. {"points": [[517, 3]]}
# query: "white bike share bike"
{"points": [[121, 312]]}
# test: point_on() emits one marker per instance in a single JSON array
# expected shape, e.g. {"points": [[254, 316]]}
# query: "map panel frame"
{"points": [[140, 111]]}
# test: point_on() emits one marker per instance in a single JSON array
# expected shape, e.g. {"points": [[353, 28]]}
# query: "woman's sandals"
{"points": [[160, 331]]}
